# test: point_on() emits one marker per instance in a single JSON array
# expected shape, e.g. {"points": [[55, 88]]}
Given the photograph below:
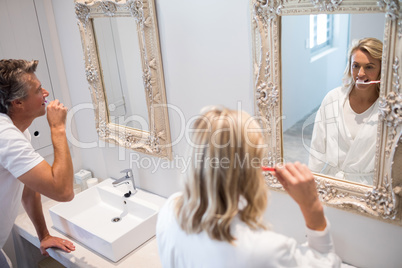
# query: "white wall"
{"points": [[309, 76], [206, 51], [373, 26]]}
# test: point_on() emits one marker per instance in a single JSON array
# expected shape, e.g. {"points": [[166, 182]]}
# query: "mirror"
{"points": [[119, 54], [123, 63], [313, 62], [288, 92]]}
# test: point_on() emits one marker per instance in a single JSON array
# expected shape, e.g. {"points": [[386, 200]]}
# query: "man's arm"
{"points": [[31, 201], [56, 181]]}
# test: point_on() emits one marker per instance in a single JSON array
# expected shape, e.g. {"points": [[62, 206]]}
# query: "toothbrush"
{"points": [[370, 82], [268, 168]]}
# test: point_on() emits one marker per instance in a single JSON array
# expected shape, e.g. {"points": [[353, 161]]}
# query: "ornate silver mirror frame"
{"points": [[157, 140], [380, 201]]}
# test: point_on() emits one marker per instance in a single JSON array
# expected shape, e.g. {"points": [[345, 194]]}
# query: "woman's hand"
{"points": [[55, 242], [299, 182]]}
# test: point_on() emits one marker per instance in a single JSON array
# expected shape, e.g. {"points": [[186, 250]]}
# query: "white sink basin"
{"points": [[105, 221]]}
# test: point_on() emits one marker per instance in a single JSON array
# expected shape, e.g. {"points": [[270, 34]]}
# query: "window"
{"points": [[320, 32]]}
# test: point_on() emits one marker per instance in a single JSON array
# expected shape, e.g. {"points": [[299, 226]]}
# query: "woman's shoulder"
{"points": [[169, 204], [166, 216], [336, 91], [335, 94], [172, 198]]}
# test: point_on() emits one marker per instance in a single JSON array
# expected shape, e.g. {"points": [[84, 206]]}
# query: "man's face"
{"points": [[34, 103]]}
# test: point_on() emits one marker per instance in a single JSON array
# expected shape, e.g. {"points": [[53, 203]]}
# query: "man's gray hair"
{"points": [[12, 81]]}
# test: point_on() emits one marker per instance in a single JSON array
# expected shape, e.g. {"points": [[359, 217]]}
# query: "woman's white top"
{"points": [[252, 248], [334, 150], [355, 121]]}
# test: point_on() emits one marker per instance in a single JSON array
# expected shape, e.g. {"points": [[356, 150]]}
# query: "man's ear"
{"points": [[17, 104]]}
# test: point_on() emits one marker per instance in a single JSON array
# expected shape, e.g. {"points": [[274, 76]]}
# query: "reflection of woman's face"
{"points": [[364, 68]]}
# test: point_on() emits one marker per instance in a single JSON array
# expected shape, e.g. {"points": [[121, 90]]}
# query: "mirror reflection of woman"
{"points": [[345, 129]]}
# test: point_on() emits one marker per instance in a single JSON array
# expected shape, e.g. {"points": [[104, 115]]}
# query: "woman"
{"points": [[345, 130], [217, 220]]}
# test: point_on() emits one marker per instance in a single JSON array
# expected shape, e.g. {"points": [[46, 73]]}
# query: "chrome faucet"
{"points": [[125, 180]]}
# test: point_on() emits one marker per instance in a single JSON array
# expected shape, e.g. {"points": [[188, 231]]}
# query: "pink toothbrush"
{"points": [[264, 168]]}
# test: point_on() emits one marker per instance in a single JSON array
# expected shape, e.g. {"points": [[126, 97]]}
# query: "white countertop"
{"points": [[144, 256]]}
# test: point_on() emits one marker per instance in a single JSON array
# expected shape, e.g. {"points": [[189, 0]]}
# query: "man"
{"points": [[24, 174]]}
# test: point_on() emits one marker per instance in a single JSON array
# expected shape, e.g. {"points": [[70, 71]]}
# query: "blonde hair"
{"points": [[226, 172], [372, 46]]}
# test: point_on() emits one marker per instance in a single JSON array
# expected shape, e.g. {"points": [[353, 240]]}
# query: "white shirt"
{"points": [[252, 248], [334, 151], [17, 156], [354, 120]]}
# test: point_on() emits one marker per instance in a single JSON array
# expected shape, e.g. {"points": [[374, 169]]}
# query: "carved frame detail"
{"points": [[157, 140], [380, 201]]}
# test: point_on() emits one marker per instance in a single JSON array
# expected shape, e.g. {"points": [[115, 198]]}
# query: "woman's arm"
{"points": [[299, 182]]}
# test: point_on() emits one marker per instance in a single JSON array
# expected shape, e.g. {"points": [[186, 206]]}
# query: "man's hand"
{"points": [[55, 242], [56, 114]]}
